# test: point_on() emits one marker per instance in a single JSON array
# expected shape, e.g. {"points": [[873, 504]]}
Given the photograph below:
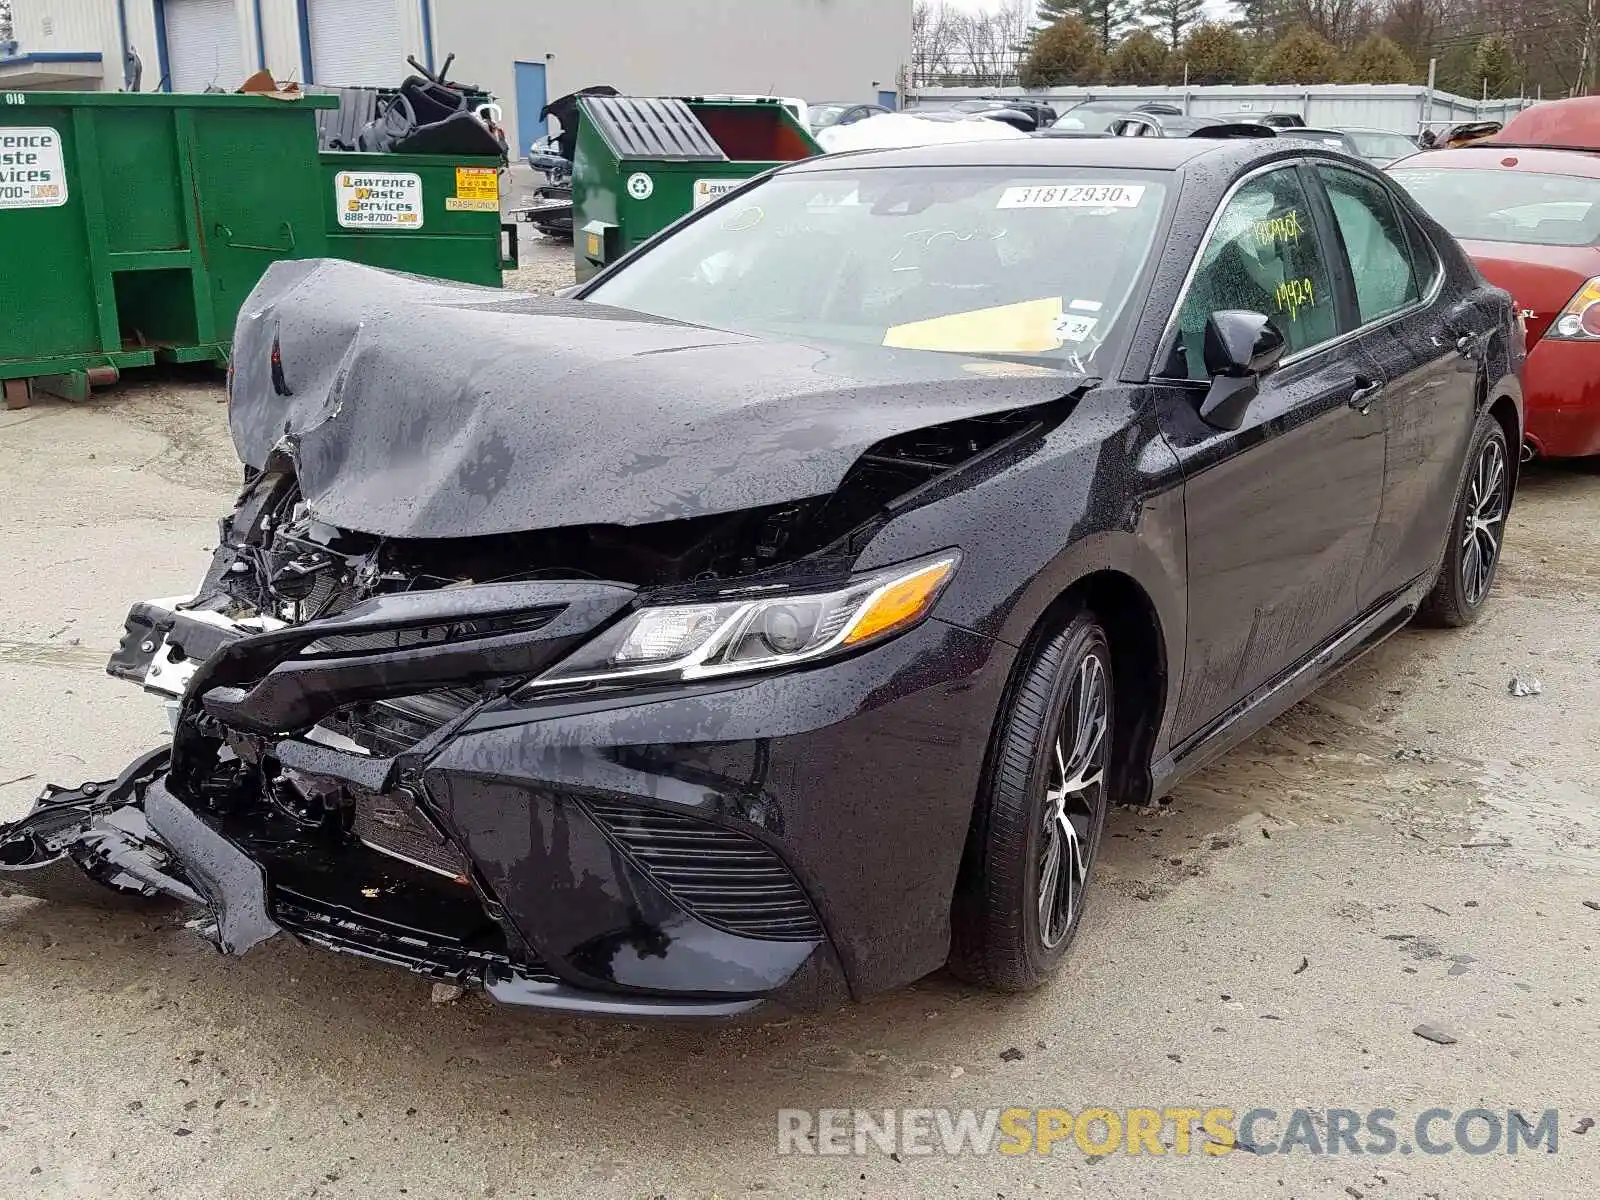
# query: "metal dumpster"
{"points": [[423, 213], [134, 225], [642, 163]]}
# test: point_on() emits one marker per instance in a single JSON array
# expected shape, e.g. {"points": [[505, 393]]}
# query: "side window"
{"points": [[1263, 257], [1380, 253], [1424, 257]]}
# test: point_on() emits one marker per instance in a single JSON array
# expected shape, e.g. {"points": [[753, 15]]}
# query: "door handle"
{"points": [[1468, 345], [1366, 392]]}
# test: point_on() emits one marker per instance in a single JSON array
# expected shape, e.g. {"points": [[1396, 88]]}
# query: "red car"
{"points": [[1530, 219]]}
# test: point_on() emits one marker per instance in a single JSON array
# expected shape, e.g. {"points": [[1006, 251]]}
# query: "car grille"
{"points": [[725, 878], [390, 825], [390, 727]]}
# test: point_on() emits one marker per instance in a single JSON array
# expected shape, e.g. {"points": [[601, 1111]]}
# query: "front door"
{"points": [[1280, 512], [531, 99]]}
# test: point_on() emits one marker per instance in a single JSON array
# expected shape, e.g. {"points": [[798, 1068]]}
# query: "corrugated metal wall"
{"points": [[1401, 108]]}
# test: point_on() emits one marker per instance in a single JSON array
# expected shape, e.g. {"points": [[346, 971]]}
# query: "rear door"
{"points": [[1280, 512], [1428, 404]]}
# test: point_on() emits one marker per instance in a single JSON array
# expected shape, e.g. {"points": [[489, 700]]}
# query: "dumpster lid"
{"points": [[636, 127]]}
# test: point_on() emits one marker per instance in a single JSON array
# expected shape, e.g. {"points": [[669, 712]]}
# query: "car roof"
{"points": [[1490, 155], [1571, 122], [1145, 154]]}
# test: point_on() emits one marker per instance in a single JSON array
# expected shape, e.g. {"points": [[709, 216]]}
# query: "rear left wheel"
{"points": [[1039, 822], [1477, 531]]}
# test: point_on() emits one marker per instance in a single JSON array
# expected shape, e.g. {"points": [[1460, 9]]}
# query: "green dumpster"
{"points": [[428, 214], [642, 163], [134, 225]]}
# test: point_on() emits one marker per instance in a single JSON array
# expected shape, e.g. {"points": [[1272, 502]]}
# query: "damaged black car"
{"points": [[776, 619]]}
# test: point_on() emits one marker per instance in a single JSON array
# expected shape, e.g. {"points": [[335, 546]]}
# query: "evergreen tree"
{"points": [[1265, 20], [1173, 18], [1378, 60], [1300, 57], [1066, 52], [1140, 59], [1494, 67], [1106, 19], [1214, 53]]}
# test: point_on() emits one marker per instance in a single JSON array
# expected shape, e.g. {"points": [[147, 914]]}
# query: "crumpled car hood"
{"points": [[421, 409]]}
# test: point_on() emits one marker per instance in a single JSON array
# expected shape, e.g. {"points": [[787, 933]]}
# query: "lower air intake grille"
{"points": [[725, 878], [389, 825]]}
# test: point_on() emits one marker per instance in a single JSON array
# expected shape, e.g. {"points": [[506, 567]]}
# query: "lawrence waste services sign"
{"points": [[32, 174], [378, 199]]}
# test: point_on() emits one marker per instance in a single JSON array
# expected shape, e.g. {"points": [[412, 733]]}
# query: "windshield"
{"points": [[1508, 206], [992, 260], [1091, 120], [823, 115], [1384, 146]]}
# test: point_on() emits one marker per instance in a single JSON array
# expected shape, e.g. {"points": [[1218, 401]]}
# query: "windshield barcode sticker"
{"points": [[1083, 195]]}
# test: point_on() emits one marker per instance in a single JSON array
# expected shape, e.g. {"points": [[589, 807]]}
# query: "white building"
{"points": [[523, 51]]}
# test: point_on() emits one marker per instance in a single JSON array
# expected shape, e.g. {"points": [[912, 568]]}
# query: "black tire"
{"points": [[1000, 937], [1477, 532]]}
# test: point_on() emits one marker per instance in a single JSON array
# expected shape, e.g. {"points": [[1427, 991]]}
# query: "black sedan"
{"points": [[780, 618]]}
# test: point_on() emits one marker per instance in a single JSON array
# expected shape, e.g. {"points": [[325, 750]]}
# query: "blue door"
{"points": [[531, 99], [889, 100]]}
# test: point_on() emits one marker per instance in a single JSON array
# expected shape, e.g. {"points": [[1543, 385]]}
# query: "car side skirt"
{"points": [[1296, 683]]}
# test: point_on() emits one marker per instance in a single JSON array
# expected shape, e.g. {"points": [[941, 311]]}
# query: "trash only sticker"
{"points": [[32, 174], [477, 190], [378, 199], [707, 190]]}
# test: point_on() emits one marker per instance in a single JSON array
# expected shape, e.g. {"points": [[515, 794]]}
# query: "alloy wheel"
{"points": [[1484, 521], [1074, 800]]}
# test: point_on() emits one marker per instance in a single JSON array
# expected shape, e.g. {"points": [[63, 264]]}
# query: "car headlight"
{"points": [[755, 633], [1579, 321]]}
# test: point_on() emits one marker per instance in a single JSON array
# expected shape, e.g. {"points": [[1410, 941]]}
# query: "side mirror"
{"points": [[1240, 347]]}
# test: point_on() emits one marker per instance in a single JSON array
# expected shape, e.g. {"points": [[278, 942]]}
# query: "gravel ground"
{"points": [[543, 264], [1411, 845]]}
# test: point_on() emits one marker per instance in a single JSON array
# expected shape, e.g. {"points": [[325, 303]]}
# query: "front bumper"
{"points": [[1561, 382], [700, 851]]}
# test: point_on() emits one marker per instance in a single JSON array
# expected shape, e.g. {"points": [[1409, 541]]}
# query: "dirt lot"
{"points": [[1411, 845]]}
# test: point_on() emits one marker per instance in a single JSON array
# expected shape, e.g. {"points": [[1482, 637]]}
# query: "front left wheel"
{"points": [[1039, 821]]}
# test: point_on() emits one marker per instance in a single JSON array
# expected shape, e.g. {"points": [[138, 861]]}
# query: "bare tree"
{"points": [[1342, 22], [5, 21], [933, 41], [990, 44]]}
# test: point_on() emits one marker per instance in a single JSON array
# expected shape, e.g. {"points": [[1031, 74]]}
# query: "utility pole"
{"points": [[1433, 73]]}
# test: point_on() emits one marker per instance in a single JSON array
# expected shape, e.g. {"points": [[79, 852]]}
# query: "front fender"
{"points": [[1102, 492]]}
